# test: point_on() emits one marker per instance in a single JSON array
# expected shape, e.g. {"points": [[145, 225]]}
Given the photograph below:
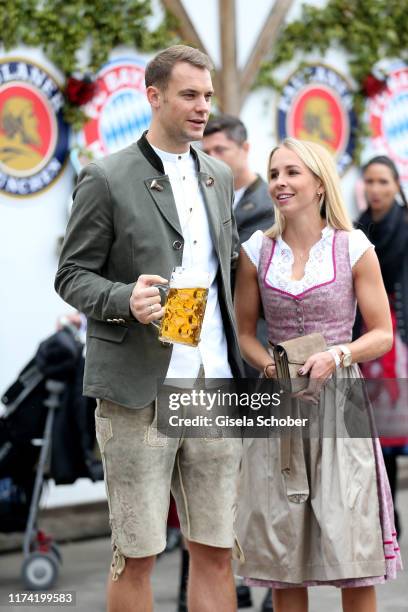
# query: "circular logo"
{"points": [[33, 135], [119, 111], [388, 116], [316, 105]]}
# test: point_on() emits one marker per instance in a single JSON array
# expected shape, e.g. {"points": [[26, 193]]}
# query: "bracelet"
{"points": [[268, 365], [335, 356]]}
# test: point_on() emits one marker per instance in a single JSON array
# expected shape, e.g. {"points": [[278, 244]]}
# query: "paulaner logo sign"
{"points": [[316, 104], [33, 135]]}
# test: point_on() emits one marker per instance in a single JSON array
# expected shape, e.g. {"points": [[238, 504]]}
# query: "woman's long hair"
{"points": [[386, 161], [321, 164]]}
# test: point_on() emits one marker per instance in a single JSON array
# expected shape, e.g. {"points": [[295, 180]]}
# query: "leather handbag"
{"points": [[290, 355]]}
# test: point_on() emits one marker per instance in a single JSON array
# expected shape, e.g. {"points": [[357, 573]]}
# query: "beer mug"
{"points": [[184, 307]]}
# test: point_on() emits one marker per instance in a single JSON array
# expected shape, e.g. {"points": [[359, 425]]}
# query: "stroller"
{"points": [[47, 431]]}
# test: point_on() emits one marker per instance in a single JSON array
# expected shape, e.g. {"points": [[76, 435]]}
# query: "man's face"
{"points": [[220, 146], [183, 108]]}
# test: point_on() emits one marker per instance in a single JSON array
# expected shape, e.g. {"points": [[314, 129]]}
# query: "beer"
{"points": [[184, 314]]}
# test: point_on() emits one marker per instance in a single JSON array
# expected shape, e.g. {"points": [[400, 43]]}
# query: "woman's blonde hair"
{"points": [[321, 164]]}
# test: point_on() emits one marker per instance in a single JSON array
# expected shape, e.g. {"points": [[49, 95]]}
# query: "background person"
{"points": [[385, 222], [136, 215], [226, 138], [314, 521]]}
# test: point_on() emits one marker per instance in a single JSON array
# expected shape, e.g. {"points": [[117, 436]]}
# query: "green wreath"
{"points": [[63, 27]]}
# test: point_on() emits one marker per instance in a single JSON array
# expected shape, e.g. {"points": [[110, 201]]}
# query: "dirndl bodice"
{"points": [[328, 308]]}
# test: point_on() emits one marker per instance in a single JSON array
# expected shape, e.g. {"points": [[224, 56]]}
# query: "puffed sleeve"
{"points": [[252, 247], [358, 245]]}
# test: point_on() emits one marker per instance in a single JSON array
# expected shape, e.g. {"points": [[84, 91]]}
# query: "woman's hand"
{"points": [[320, 367], [269, 370]]}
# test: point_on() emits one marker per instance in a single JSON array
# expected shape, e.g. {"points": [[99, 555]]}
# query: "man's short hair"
{"points": [[233, 128], [158, 70]]}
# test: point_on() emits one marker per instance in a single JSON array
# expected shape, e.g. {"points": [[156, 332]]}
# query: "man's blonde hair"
{"points": [[321, 164]]}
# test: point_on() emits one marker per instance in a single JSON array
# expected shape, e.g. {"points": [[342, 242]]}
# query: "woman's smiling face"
{"points": [[292, 186]]}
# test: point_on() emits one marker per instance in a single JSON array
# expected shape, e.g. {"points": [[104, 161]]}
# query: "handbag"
{"points": [[290, 355]]}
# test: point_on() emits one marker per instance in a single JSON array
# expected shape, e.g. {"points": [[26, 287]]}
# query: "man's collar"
{"points": [[150, 154]]}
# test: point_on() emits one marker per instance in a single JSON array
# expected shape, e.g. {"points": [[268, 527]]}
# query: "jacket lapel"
{"points": [[208, 190], [160, 189]]}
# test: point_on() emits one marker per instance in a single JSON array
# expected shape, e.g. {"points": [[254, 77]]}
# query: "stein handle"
{"points": [[165, 289]]}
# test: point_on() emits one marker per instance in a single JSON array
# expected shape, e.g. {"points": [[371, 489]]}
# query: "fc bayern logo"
{"points": [[119, 112], [388, 115], [33, 135], [317, 105]]}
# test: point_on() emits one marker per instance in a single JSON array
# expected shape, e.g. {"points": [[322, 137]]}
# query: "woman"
{"points": [[308, 272], [385, 222]]}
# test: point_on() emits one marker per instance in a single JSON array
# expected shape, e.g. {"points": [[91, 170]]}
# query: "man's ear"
{"points": [[153, 95]]}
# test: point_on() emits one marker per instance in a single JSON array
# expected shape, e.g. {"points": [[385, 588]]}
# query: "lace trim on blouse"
{"points": [[319, 268]]}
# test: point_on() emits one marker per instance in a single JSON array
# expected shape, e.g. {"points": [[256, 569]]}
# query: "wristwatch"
{"points": [[346, 358]]}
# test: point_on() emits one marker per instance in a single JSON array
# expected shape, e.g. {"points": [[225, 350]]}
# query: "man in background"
{"points": [[226, 138]]}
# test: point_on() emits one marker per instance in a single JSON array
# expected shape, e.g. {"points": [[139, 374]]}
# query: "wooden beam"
{"points": [[266, 40], [189, 33], [186, 27], [229, 96]]}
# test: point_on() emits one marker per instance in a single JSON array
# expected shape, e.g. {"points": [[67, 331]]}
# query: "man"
{"points": [[137, 214], [226, 138]]}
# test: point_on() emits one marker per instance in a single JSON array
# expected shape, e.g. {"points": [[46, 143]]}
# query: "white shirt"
{"points": [[319, 267], [238, 193], [198, 253]]}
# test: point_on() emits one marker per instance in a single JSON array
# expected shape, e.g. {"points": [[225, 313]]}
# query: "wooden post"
{"points": [[232, 85], [229, 94]]}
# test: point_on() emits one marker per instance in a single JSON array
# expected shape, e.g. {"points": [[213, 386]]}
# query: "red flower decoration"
{"points": [[372, 86], [80, 90]]}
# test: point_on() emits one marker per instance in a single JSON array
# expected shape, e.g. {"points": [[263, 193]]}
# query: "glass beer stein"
{"points": [[184, 308]]}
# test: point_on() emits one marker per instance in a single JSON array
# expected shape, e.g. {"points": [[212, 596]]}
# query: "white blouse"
{"points": [[319, 267]]}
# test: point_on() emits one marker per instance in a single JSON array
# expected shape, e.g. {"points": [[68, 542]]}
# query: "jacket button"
{"points": [[177, 245], [121, 321], [109, 320]]}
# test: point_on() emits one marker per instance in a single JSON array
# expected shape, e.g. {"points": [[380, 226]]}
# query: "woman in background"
{"points": [[385, 223]]}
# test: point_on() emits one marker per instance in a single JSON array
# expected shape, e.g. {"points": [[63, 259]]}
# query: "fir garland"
{"points": [[63, 27]]}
